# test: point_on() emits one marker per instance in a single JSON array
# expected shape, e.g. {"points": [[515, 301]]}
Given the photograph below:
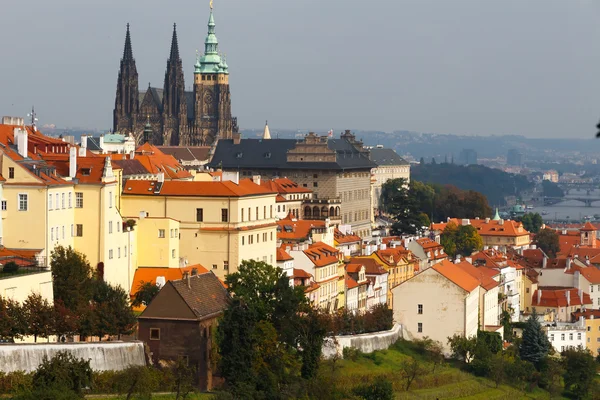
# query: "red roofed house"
{"points": [[292, 230], [488, 297], [220, 223], [377, 277], [428, 250], [356, 285], [323, 262], [561, 300], [349, 244], [439, 302], [290, 197], [286, 263]]}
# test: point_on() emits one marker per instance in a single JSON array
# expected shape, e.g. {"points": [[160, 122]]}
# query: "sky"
{"points": [[476, 67]]}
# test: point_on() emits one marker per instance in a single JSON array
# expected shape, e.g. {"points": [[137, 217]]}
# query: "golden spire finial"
{"points": [[211, 4]]}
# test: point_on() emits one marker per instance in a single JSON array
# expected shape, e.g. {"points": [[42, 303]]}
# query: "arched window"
{"points": [[316, 212], [307, 212], [324, 211], [337, 211]]}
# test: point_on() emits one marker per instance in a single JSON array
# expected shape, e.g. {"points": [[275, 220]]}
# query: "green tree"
{"points": [[39, 316], [534, 344], [183, 376], [10, 267], [551, 374], [409, 370], [146, 291], [547, 240], [498, 366], [71, 276], [63, 372], [65, 322], [138, 380], [463, 349], [532, 222], [112, 313], [463, 240], [506, 322], [580, 370], [551, 189], [13, 324]]}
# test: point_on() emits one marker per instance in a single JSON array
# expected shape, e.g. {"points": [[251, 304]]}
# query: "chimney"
{"points": [[21, 139], [161, 177], [189, 282], [72, 162], [465, 222], [83, 147], [580, 294], [568, 263], [256, 179], [544, 262], [568, 293], [487, 220], [132, 154], [382, 246], [237, 137], [102, 144], [501, 222], [469, 260], [539, 296]]}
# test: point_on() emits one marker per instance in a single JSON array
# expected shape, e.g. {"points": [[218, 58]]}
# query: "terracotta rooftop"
{"points": [[487, 227], [149, 274], [297, 230], [189, 188], [372, 267], [283, 255], [283, 186], [341, 238], [483, 275], [553, 296], [321, 254], [456, 275]]}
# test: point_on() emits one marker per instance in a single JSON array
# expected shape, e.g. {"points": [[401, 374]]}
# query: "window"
{"points": [[249, 215], [225, 215], [271, 236], [589, 328], [578, 335], [271, 211], [527, 290], [63, 232], [110, 226], [70, 200], [257, 213], [78, 199], [110, 199], [562, 336], [57, 206], [242, 215], [250, 239], [257, 238], [214, 266], [62, 201], [23, 202], [118, 226], [315, 184], [49, 202], [242, 240], [173, 253], [161, 233], [592, 288], [51, 233], [420, 309], [3, 205], [11, 173], [265, 212], [79, 230], [552, 337], [226, 265], [118, 252], [199, 214], [172, 233], [72, 230], [154, 333], [420, 327], [570, 336], [110, 254]]}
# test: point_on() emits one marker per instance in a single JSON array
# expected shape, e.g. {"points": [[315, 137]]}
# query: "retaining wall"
{"points": [[365, 342]]}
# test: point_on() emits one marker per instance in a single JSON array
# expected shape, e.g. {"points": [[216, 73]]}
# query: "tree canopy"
{"points": [[463, 240], [531, 222], [534, 345], [547, 240]]}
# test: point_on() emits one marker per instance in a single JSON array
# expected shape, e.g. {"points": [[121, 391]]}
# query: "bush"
{"points": [[14, 382], [10, 267], [63, 372], [344, 322], [381, 389], [351, 353]]}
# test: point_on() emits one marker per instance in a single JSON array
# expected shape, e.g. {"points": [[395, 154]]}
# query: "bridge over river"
{"points": [[586, 198]]}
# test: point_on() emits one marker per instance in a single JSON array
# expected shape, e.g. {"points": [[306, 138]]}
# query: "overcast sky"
{"points": [[529, 67]]}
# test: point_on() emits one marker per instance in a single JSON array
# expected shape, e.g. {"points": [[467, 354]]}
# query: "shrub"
{"points": [[64, 372], [10, 267], [351, 353], [381, 389], [14, 382]]}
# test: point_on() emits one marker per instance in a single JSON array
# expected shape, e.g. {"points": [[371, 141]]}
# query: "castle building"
{"points": [[177, 117]]}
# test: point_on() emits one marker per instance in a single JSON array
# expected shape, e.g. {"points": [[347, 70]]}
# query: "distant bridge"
{"points": [[589, 186], [587, 201]]}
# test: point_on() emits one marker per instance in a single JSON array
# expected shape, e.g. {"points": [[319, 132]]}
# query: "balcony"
{"points": [[322, 208]]}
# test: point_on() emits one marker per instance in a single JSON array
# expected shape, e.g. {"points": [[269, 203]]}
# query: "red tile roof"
{"points": [[321, 254], [588, 227], [350, 282], [557, 297], [372, 267], [591, 274], [188, 188], [283, 255], [283, 186], [341, 238], [291, 229], [489, 227], [483, 275], [149, 274], [155, 161], [456, 275]]}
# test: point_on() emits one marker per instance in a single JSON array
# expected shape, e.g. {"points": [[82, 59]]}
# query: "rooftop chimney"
{"points": [[21, 139], [539, 296], [568, 294], [237, 137], [256, 179], [102, 144], [83, 147], [72, 162], [13, 121]]}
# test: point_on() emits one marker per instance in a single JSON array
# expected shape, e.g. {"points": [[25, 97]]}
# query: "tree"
{"points": [[39, 316], [551, 375], [498, 369], [146, 291], [409, 369], [65, 322], [140, 380], [580, 371], [547, 240], [112, 313], [12, 321], [63, 372], [183, 375], [463, 240], [10, 267], [532, 222], [506, 322], [534, 345], [72, 277], [463, 349], [551, 189]]}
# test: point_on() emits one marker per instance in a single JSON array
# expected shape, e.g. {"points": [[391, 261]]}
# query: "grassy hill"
{"points": [[448, 381]]}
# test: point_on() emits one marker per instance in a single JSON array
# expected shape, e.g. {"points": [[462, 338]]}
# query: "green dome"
{"points": [[210, 62]]}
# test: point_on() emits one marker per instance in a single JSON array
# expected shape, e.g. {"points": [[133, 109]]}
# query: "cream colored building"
{"points": [[592, 329], [389, 166], [220, 223], [20, 286], [439, 302]]}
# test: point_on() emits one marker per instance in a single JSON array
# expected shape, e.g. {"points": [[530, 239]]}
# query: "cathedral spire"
{"points": [[174, 45], [127, 50], [210, 62]]}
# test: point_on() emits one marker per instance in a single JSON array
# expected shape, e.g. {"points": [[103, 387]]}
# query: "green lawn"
{"points": [[193, 396], [448, 381]]}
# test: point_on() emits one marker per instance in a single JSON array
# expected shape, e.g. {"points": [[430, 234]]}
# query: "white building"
{"points": [[389, 166], [439, 302], [488, 297], [286, 263], [110, 143], [565, 335]]}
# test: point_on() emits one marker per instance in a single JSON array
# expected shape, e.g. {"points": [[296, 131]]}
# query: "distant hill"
{"points": [[492, 183]]}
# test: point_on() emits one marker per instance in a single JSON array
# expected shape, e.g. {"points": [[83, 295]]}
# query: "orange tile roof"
{"points": [[283, 186], [321, 254], [300, 229], [89, 169], [588, 227], [481, 274], [489, 228], [300, 273], [587, 314], [313, 286], [591, 274], [283, 255], [149, 274], [372, 267], [350, 282], [391, 256], [155, 161], [456, 275], [557, 297], [189, 188], [341, 238]]}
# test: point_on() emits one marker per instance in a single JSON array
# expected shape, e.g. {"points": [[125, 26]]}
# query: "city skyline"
{"points": [[463, 68]]}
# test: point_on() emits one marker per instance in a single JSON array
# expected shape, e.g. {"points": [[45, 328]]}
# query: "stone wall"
{"points": [[103, 356], [366, 342]]}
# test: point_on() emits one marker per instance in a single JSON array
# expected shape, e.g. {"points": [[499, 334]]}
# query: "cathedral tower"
{"points": [[173, 101], [127, 99]]}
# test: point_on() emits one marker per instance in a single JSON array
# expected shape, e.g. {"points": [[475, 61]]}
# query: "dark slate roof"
{"points": [[192, 153], [93, 143], [157, 96], [272, 154], [131, 167], [382, 156], [205, 294], [189, 99]]}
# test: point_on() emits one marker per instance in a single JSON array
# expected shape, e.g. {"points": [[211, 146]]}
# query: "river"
{"points": [[571, 210]]}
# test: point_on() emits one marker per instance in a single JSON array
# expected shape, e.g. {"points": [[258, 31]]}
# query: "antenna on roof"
{"points": [[32, 114]]}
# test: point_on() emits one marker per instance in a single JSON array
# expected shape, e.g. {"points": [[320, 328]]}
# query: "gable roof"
{"points": [[283, 186], [456, 275], [272, 154], [321, 254], [155, 161], [245, 187], [483, 275], [297, 230], [552, 296], [488, 227], [383, 156], [372, 267], [186, 153], [283, 255], [340, 238], [149, 274]]}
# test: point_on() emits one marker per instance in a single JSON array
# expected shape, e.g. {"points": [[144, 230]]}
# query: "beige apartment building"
{"points": [[335, 169], [389, 166]]}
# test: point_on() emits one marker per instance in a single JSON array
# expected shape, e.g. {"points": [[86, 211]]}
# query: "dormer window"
{"points": [[267, 155], [239, 155], [85, 171]]}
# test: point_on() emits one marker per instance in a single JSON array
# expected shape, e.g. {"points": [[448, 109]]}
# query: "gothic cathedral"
{"points": [[177, 117]]}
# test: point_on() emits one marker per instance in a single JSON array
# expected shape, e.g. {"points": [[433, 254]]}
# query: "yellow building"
{"points": [[220, 223], [592, 329], [495, 232], [159, 239], [400, 264]]}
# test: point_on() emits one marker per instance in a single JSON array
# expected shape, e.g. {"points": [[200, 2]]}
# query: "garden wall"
{"points": [[103, 356], [365, 342]]}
